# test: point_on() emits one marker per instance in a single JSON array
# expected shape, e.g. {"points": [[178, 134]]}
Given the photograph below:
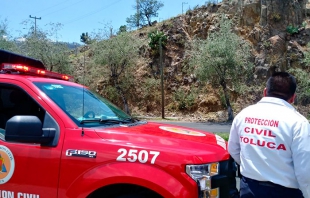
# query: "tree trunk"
{"points": [[126, 108], [149, 20], [120, 91], [229, 109]]}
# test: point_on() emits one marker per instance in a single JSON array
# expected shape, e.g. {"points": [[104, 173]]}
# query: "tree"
{"points": [[122, 28], [146, 10], [85, 38], [7, 44], [118, 54], [5, 40], [223, 59], [3, 27], [157, 43], [135, 21], [54, 55]]}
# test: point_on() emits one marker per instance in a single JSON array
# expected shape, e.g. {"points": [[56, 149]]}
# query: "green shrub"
{"points": [[303, 85], [266, 44], [292, 29], [112, 94], [185, 100], [150, 90], [155, 37]]}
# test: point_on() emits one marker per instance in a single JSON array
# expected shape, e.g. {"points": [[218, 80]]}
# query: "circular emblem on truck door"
{"points": [[7, 164]]}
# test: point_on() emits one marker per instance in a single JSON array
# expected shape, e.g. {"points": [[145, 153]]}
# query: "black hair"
{"points": [[281, 85]]}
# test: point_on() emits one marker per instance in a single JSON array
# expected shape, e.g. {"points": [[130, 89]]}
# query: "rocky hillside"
{"points": [[277, 30]]}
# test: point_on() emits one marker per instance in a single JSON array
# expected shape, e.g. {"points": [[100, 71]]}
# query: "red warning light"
{"points": [[33, 71]]}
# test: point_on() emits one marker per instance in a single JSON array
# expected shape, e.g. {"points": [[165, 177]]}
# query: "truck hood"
{"points": [[151, 135]]}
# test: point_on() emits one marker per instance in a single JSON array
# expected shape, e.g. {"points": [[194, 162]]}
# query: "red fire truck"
{"points": [[60, 139]]}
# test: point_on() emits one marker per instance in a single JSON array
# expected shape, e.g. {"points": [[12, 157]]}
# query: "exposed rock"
{"points": [[251, 12], [255, 35], [261, 72], [278, 44], [294, 55], [263, 23]]}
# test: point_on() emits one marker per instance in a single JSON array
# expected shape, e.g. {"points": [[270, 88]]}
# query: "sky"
{"points": [[78, 16]]}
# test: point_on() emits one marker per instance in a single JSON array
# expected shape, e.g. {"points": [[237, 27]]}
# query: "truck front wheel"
{"points": [[132, 196], [124, 191]]}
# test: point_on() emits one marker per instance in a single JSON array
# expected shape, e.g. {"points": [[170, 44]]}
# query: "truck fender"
{"points": [[148, 176]]}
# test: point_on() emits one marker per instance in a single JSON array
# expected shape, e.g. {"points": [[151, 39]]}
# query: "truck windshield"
{"points": [[83, 106]]}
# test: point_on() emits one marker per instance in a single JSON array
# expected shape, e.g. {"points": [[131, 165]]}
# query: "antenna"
{"points": [[83, 90]]}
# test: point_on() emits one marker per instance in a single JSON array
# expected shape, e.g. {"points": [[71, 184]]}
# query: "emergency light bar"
{"points": [[33, 71]]}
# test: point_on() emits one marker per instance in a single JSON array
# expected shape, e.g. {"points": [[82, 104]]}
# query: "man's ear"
{"points": [[265, 92], [292, 99]]}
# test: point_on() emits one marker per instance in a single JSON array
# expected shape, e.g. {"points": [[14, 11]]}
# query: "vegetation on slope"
{"points": [[208, 66]]}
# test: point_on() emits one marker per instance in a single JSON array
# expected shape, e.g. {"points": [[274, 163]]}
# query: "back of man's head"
{"points": [[281, 85]]}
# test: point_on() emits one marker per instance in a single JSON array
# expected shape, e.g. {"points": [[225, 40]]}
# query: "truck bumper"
{"points": [[226, 180]]}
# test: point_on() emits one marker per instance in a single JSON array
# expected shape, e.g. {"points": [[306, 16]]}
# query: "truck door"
{"points": [[27, 169]]}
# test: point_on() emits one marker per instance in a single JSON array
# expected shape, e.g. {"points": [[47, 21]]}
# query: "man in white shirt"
{"points": [[271, 142]]}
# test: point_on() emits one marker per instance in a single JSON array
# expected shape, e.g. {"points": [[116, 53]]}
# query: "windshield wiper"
{"points": [[132, 120], [114, 121]]}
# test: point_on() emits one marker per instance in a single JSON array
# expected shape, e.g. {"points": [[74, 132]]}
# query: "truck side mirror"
{"points": [[28, 129]]}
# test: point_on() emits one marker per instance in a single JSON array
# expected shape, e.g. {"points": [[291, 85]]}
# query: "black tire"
{"points": [[131, 196]]}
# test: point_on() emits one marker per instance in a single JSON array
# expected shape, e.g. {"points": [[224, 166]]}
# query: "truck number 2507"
{"points": [[133, 155]]}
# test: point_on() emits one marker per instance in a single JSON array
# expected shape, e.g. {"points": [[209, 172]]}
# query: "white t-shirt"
{"points": [[271, 142]]}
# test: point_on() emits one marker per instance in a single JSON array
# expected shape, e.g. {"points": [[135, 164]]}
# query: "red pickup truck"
{"points": [[60, 139]]}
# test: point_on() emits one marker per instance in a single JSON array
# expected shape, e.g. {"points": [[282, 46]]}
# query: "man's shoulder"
{"points": [[300, 117], [281, 112]]}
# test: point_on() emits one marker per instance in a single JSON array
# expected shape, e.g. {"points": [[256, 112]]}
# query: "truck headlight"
{"points": [[202, 175]]}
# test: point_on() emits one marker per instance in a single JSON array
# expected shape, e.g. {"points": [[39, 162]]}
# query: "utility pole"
{"points": [[35, 23], [111, 32], [182, 5], [162, 79], [138, 14]]}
